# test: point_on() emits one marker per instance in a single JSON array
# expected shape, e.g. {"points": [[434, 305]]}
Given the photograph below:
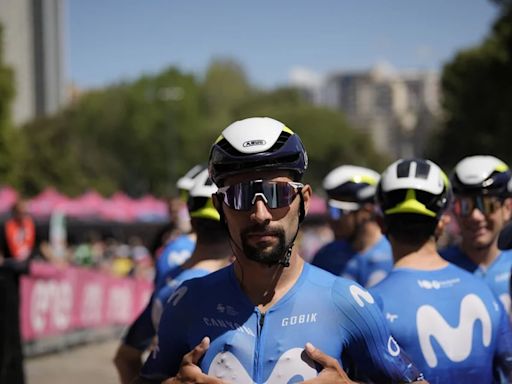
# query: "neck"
{"points": [[263, 284], [368, 235], [422, 257], [481, 256]]}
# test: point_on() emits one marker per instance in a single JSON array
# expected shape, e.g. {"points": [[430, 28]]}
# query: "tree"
{"points": [[477, 98], [6, 97]]}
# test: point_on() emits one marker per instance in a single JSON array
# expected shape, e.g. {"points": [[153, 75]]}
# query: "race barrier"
{"points": [[58, 301]]}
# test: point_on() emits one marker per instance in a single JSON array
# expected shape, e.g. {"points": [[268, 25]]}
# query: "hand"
{"points": [[189, 372], [332, 373]]}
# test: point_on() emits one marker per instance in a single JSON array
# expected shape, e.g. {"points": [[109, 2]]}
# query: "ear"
{"points": [[307, 193], [442, 224], [507, 208], [216, 202], [382, 223]]}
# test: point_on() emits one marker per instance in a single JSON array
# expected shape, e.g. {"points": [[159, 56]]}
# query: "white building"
{"points": [[397, 109], [33, 48]]}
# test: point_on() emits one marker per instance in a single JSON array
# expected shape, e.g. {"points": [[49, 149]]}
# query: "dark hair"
{"points": [[410, 228]]}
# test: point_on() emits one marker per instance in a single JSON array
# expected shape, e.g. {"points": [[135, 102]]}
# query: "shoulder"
{"points": [[506, 256], [335, 288], [451, 252], [182, 241]]}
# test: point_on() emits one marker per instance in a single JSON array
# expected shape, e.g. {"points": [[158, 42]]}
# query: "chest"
{"points": [[257, 348]]}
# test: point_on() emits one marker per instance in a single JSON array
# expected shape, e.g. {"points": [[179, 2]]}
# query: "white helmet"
{"points": [[187, 181], [199, 201], [481, 175], [416, 186], [256, 144], [350, 186]]}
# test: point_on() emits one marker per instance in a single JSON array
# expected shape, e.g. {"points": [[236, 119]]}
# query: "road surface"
{"points": [[84, 364]]}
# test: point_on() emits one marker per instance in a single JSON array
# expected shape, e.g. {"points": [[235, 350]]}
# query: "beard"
{"points": [[264, 255]]}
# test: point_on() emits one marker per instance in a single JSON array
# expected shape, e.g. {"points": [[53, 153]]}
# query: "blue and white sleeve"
{"points": [[375, 353]]}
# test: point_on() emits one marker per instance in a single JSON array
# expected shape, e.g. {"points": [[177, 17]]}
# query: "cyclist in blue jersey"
{"points": [[448, 321], [212, 250], [261, 312], [170, 256], [358, 242], [482, 206]]}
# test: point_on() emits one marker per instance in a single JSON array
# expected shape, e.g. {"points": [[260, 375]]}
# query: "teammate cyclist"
{"points": [[447, 320], [482, 207]]}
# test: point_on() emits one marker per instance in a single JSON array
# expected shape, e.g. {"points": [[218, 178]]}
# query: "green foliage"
{"points": [[477, 98], [141, 136], [6, 133]]}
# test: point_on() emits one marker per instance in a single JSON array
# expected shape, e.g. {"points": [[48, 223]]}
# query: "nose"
{"points": [[476, 214], [260, 213]]}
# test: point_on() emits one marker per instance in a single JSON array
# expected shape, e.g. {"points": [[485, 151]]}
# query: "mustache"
{"points": [[257, 229]]}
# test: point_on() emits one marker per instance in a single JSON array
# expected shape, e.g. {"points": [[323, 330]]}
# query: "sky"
{"points": [[108, 41]]}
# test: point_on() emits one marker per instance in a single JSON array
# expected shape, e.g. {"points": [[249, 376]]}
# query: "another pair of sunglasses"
{"points": [[338, 209], [275, 194], [464, 205]]}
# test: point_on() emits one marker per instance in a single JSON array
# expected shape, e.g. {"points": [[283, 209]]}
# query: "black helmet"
{"points": [[414, 186], [256, 144], [486, 175]]}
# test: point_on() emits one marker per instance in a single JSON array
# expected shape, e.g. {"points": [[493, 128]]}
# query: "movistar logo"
{"points": [[456, 342], [252, 143], [359, 294], [292, 366]]}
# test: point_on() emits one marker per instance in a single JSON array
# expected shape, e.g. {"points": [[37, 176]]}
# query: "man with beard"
{"points": [[256, 321], [359, 251], [482, 207]]}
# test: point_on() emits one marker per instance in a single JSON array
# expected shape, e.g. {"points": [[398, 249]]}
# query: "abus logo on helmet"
{"points": [[252, 143]]}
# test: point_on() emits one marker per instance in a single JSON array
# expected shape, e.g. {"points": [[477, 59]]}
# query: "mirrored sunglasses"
{"points": [[275, 194], [464, 205], [338, 213]]}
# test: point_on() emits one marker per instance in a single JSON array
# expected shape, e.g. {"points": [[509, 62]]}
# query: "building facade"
{"points": [[33, 48], [397, 110]]}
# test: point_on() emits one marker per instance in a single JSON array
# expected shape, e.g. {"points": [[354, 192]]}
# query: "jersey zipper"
{"points": [[258, 364]]}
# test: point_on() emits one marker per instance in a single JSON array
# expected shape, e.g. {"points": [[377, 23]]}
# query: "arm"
{"points": [[503, 354], [371, 348], [128, 362], [331, 373], [128, 358], [189, 371]]}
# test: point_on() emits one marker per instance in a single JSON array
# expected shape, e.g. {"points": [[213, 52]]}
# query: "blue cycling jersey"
{"points": [[173, 254], [333, 256], [336, 315], [167, 290], [370, 266], [141, 332], [448, 322], [496, 275]]}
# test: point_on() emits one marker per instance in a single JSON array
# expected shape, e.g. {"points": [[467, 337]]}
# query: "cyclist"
{"points": [[449, 322], [359, 251], [169, 258], [212, 250], [482, 206], [261, 311]]}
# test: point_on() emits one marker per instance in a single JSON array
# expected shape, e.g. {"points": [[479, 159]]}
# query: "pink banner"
{"points": [[56, 300]]}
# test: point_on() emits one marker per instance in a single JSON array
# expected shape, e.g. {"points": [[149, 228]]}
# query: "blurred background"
{"points": [[105, 104]]}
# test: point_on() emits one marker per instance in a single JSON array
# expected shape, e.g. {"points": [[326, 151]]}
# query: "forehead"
{"points": [[265, 175]]}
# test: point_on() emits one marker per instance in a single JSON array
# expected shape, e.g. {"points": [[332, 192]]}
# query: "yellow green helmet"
{"points": [[416, 186], [199, 201]]}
